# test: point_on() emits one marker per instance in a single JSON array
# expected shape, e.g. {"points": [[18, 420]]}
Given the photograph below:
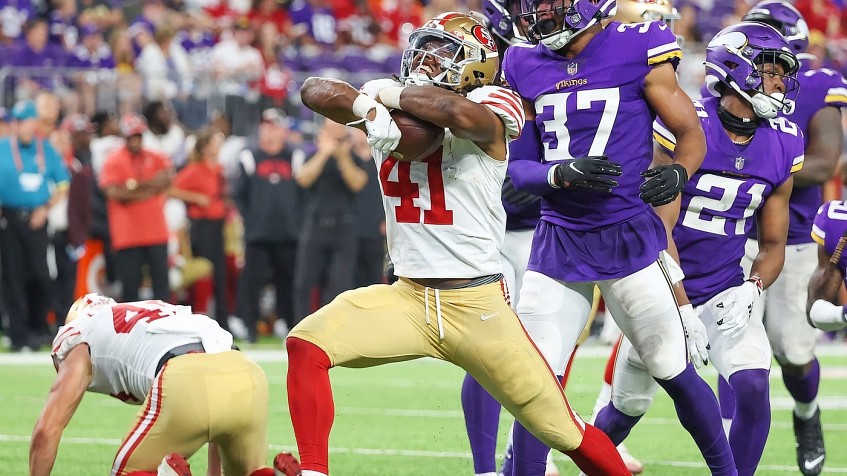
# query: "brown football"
{"points": [[418, 138]]}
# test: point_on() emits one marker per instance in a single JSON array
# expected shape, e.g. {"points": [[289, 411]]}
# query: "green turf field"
{"points": [[400, 419]]}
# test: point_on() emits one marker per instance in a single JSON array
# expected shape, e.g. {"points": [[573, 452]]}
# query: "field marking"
{"points": [[466, 455]]}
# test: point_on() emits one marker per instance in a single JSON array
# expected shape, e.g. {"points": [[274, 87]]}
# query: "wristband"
{"points": [[758, 282], [390, 96], [363, 105], [551, 176]]}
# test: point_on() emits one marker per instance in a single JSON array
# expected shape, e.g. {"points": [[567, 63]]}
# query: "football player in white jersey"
{"points": [[174, 362], [445, 225]]}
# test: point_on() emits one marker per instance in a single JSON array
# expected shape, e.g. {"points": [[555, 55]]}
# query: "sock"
{"points": [[596, 455], [529, 455], [482, 420], [310, 403], [603, 399], [615, 423], [308, 472], [508, 468], [564, 379], [698, 412], [263, 472], [804, 390], [752, 420]]}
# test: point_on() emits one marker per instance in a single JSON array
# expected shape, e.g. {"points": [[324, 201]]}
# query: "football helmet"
{"points": [[732, 58], [500, 19], [555, 23], [452, 50], [785, 18], [87, 305]]}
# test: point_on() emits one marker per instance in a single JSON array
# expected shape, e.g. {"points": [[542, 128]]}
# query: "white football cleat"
{"points": [[173, 464], [632, 464], [551, 469]]}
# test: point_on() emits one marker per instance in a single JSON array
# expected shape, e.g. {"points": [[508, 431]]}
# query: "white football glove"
{"points": [[374, 86], [695, 335], [734, 307], [827, 316], [383, 133]]}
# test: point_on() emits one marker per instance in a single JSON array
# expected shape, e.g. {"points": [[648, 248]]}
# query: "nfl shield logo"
{"points": [[572, 68], [739, 163]]}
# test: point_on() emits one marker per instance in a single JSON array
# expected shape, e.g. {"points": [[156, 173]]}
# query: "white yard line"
{"points": [[411, 453]]}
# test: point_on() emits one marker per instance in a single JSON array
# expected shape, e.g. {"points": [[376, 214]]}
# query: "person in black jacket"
{"points": [[268, 199]]}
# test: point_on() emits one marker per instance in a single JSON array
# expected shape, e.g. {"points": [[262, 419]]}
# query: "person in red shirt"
{"points": [[135, 182], [201, 185]]}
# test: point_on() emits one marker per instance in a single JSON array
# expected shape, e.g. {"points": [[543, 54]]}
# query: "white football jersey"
{"points": [[127, 340], [444, 216]]}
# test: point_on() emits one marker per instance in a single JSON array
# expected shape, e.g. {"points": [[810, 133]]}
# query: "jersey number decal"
{"points": [[126, 316], [701, 207], [558, 125], [408, 191]]}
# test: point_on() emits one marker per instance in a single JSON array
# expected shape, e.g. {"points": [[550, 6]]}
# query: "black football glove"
{"points": [[663, 184], [515, 197], [588, 172]]}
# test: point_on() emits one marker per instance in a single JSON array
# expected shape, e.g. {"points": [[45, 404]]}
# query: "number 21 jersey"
{"points": [[720, 201]]}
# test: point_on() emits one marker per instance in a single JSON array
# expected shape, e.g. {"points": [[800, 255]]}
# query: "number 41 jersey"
{"points": [[444, 216], [127, 340], [720, 200]]}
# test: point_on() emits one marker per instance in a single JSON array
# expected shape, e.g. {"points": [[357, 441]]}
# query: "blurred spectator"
{"points": [[135, 181], [164, 135], [397, 19], [822, 15], [275, 79], [236, 65], [268, 200], [201, 185], [313, 22], [197, 40], [70, 218], [35, 52], [48, 109], [164, 66], [331, 178], [5, 126], [358, 26], [62, 24], [14, 14], [370, 219], [106, 141], [269, 12], [153, 12], [32, 179], [128, 85], [231, 147], [93, 53], [103, 13], [185, 271]]}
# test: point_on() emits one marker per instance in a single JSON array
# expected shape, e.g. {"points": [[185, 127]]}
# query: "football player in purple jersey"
{"points": [[595, 90], [817, 113], [751, 156], [830, 232]]}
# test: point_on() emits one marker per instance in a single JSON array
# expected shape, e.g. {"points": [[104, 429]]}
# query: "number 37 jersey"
{"points": [[444, 216], [721, 200], [127, 340]]}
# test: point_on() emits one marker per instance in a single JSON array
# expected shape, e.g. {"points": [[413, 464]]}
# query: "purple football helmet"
{"points": [[732, 60], [500, 18], [555, 23], [785, 18]]}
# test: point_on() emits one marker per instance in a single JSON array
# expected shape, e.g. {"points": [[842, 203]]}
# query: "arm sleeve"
{"points": [[527, 171]]}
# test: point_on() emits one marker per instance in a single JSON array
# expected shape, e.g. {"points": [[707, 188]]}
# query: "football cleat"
{"points": [[551, 469], [632, 464], [810, 448], [173, 464], [285, 464]]}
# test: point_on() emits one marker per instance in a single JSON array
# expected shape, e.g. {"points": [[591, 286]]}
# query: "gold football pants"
{"points": [[199, 398], [473, 328]]}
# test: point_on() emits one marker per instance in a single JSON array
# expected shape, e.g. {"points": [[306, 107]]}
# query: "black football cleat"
{"points": [[810, 448]]}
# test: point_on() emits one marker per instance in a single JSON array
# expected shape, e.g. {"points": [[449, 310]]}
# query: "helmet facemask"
{"points": [[555, 23], [432, 57]]}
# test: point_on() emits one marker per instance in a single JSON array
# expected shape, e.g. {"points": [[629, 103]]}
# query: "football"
{"points": [[419, 138]]}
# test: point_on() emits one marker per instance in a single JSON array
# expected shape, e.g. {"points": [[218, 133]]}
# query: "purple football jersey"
{"points": [[591, 104], [819, 88], [829, 227], [720, 201]]}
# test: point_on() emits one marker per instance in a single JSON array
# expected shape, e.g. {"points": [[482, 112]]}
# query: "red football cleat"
{"points": [[174, 464], [285, 464]]}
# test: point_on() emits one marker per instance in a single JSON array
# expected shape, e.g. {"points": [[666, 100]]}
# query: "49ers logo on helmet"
{"points": [[483, 37]]}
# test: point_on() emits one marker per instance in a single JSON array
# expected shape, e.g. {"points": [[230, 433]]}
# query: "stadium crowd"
{"points": [[243, 176]]}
